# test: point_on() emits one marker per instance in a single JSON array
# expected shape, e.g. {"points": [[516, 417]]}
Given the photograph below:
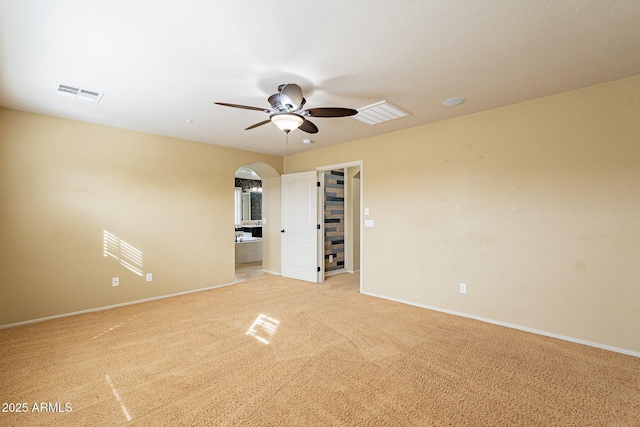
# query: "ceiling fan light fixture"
{"points": [[287, 122], [287, 113]]}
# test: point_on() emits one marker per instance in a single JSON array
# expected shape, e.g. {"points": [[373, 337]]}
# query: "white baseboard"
{"points": [[271, 272], [334, 272], [108, 307], [512, 326]]}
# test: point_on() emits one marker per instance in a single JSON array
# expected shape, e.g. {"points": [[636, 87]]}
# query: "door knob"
{"points": [[282, 231]]}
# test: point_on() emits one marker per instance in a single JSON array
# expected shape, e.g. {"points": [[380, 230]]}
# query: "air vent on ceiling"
{"points": [[380, 112], [78, 93]]}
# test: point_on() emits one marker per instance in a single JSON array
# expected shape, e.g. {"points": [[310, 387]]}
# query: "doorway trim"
{"points": [[319, 171]]}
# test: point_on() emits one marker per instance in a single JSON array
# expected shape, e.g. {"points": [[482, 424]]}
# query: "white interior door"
{"points": [[299, 226]]}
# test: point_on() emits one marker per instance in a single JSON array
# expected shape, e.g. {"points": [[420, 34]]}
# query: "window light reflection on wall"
{"points": [[128, 256]]}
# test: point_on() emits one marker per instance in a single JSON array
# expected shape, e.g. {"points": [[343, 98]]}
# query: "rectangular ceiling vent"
{"points": [[78, 93], [380, 112]]}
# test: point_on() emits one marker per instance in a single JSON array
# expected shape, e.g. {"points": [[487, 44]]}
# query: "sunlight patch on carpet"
{"points": [[113, 328], [263, 328], [115, 393]]}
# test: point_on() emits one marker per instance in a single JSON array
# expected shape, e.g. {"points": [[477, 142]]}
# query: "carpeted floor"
{"points": [[278, 352]]}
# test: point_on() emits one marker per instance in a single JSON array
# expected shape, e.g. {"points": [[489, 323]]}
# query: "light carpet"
{"points": [[279, 352]]}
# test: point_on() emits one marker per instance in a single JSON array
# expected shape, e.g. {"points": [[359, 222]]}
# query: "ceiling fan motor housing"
{"points": [[289, 98]]}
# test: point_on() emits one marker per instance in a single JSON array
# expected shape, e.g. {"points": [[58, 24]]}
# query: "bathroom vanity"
{"points": [[248, 244]]}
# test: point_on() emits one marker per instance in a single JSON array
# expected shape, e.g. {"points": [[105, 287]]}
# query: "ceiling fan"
{"points": [[286, 110]]}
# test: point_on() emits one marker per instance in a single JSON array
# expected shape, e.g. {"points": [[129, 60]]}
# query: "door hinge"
{"points": [[318, 226], [318, 183], [318, 269]]}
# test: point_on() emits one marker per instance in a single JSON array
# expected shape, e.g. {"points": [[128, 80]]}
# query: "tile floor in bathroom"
{"points": [[249, 271]]}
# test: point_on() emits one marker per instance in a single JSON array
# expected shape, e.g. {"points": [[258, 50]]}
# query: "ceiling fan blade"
{"points": [[331, 112], [246, 107], [264, 122], [308, 127], [291, 95]]}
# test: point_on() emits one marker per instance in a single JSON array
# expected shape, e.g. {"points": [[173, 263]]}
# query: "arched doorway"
{"points": [[257, 217]]}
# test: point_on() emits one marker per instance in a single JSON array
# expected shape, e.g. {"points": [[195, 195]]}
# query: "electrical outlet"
{"points": [[463, 288], [115, 281], [149, 277]]}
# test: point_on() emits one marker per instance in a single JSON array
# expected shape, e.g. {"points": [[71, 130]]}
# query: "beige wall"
{"points": [[65, 183], [535, 206], [352, 207], [271, 230], [355, 222]]}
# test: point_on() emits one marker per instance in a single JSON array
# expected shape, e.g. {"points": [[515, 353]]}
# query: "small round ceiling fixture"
{"points": [[452, 102], [306, 141]]}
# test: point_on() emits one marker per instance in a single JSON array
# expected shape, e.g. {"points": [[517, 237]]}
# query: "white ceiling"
{"points": [[162, 63]]}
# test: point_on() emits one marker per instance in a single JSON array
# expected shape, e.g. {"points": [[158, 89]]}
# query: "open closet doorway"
{"points": [[340, 213]]}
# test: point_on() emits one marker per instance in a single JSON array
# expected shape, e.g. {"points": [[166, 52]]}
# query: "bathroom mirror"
{"points": [[248, 196]]}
